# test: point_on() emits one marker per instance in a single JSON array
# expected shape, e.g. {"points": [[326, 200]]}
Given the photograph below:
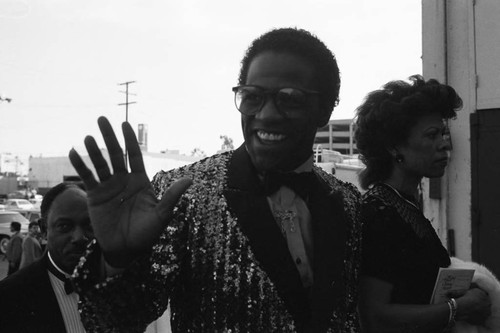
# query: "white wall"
{"points": [[448, 47], [49, 171], [461, 47]]}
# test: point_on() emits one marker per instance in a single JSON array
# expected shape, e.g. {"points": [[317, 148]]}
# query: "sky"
{"points": [[62, 62]]}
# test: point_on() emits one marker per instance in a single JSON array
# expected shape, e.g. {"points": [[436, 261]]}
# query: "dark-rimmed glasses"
{"points": [[250, 99]]}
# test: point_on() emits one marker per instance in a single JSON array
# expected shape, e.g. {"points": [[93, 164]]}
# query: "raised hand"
{"points": [[125, 214]]}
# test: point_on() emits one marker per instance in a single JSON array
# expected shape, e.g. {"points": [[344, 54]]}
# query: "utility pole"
{"points": [[126, 84], [126, 98]]}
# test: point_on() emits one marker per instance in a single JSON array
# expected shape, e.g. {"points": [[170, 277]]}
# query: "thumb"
{"points": [[456, 293], [171, 196]]}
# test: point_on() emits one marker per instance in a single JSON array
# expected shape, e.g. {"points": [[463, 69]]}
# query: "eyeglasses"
{"points": [[250, 99]]}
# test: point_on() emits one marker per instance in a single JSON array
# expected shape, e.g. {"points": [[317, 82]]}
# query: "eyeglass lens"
{"points": [[249, 100]]}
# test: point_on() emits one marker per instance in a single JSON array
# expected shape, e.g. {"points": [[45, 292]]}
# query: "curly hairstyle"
{"points": [[386, 116], [303, 44]]}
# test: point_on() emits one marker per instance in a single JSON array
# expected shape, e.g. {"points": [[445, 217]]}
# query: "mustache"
{"points": [[78, 247]]}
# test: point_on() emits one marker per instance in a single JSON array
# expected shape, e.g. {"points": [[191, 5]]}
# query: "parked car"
{"points": [[16, 204], [30, 214], [6, 217], [36, 202]]}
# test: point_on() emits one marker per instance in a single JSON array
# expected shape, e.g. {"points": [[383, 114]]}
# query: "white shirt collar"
{"points": [[57, 267]]}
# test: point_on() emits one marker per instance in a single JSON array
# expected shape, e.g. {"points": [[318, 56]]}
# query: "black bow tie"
{"points": [[68, 285], [301, 183]]}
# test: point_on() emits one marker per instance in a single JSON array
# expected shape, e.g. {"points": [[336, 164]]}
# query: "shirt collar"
{"points": [[57, 267]]}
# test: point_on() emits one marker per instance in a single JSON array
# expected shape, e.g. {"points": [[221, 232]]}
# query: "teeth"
{"points": [[270, 136]]}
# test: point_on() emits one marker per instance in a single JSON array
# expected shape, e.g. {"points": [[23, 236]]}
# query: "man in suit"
{"points": [[40, 297], [31, 246], [261, 240], [14, 248]]}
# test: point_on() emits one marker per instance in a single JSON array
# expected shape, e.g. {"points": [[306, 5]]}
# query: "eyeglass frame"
{"points": [[269, 92]]}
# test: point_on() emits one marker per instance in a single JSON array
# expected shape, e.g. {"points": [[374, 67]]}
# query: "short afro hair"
{"points": [[15, 225], [301, 43], [32, 224]]}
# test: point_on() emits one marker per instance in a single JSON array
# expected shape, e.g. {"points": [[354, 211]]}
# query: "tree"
{"points": [[197, 152], [227, 143]]}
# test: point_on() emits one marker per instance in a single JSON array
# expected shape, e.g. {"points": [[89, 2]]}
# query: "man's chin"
{"points": [[263, 166], [282, 157], [73, 259]]}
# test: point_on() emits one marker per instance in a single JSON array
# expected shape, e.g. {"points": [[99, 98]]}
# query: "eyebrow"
{"points": [[63, 219]]}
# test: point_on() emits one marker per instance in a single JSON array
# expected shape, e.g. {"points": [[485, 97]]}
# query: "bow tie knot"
{"points": [[68, 284], [300, 183]]}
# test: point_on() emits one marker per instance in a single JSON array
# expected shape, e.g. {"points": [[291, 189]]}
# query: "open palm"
{"points": [[125, 214]]}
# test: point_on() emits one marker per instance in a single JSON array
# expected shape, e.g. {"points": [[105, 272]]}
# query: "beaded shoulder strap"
{"points": [[408, 212]]}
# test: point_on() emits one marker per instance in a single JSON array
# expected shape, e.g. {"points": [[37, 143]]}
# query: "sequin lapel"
{"points": [[248, 203]]}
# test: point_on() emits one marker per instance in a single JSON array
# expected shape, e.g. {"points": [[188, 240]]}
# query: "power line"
{"points": [[127, 103], [126, 84]]}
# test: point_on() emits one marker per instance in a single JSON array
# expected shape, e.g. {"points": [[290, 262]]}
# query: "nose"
{"points": [[269, 110], [445, 143], [79, 235]]}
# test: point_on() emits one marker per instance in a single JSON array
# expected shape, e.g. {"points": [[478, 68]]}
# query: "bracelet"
{"points": [[452, 304]]}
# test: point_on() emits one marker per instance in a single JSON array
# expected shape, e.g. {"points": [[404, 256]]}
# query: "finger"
{"points": [[133, 149], [85, 174], [171, 196], [114, 150], [456, 293], [100, 164]]}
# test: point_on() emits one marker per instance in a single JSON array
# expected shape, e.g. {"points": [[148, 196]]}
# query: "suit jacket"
{"points": [[224, 264], [28, 302], [15, 249]]}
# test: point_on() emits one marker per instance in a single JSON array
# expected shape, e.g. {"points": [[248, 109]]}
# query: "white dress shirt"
{"points": [[67, 303], [294, 219]]}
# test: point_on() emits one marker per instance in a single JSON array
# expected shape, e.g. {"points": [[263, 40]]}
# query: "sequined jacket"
{"points": [[224, 266]]}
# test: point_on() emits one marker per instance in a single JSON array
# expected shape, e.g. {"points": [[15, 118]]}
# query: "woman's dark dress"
{"points": [[400, 246]]}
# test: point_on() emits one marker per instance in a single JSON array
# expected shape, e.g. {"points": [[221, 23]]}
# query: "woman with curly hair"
{"points": [[402, 136]]}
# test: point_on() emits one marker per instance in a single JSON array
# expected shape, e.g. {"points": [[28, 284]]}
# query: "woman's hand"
{"points": [[474, 306]]}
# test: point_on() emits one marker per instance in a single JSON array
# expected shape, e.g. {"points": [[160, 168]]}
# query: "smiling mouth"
{"points": [[270, 137]]}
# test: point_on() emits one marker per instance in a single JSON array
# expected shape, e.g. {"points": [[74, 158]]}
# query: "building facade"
{"points": [[338, 135], [46, 172]]}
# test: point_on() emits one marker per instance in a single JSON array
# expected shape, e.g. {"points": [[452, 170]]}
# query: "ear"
{"points": [[396, 155], [43, 225]]}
